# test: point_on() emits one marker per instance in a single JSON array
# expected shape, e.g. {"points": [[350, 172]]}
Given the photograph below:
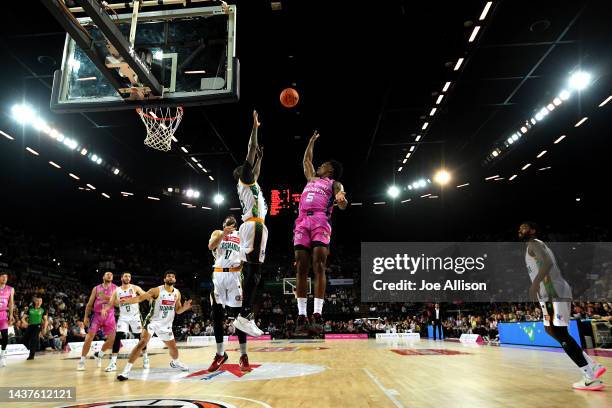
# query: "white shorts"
{"points": [[253, 237], [228, 288], [132, 325], [561, 313], [163, 330]]}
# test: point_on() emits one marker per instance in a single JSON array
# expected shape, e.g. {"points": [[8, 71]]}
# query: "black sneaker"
{"points": [[316, 323], [301, 326]]}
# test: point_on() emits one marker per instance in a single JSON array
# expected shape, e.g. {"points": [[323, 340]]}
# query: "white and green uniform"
{"points": [[555, 293], [227, 276], [253, 232], [129, 314], [160, 317]]}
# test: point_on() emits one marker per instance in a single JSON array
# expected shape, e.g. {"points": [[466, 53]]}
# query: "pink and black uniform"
{"points": [[313, 227], [98, 322], [5, 297]]}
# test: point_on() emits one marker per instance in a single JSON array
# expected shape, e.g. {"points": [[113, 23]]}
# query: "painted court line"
{"points": [[389, 393]]}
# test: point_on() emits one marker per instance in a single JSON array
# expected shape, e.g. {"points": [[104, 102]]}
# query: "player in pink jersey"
{"points": [[312, 231], [7, 295], [100, 297]]}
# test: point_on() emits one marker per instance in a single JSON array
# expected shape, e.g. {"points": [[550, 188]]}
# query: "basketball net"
{"points": [[161, 123]]}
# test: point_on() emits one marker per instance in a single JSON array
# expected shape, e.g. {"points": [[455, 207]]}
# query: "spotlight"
{"points": [[218, 199], [579, 80], [189, 193], [94, 157], [557, 101], [564, 95], [422, 183], [170, 189], [158, 55], [393, 192], [510, 140], [495, 153], [442, 177], [22, 113], [116, 172], [99, 161], [196, 194]]}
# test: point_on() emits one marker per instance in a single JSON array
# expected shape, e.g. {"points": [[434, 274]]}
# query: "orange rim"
{"points": [[141, 113]]}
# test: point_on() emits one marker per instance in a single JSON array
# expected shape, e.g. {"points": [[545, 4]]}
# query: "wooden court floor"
{"points": [[335, 373]]}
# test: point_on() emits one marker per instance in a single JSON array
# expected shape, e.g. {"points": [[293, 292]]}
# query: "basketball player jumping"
{"points": [[166, 302], [7, 301], [253, 233], [555, 295], [227, 280], [129, 318], [312, 232], [100, 297]]}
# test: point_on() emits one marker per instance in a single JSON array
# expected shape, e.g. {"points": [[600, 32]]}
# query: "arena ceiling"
{"points": [[368, 77]]}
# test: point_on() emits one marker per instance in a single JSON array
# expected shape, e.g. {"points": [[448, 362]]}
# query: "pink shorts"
{"points": [[309, 228], [4, 324], [107, 325]]}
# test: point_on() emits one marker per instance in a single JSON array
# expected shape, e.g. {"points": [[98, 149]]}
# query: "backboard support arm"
{"points": [[99, 16]]}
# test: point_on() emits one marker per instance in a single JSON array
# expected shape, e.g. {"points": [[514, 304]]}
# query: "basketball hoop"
{"points": [[161, 123]]}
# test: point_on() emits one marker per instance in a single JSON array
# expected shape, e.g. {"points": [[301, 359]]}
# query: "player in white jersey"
{"points": [[555, 295], [253, 232], [130, 320], [227, 280], [166, 301]]}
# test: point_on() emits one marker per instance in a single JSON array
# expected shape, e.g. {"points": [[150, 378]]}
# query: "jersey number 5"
{"points": [[309, 197]]}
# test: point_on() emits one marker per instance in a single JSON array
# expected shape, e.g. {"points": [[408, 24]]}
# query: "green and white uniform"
{"points": [[160, 318], [555, 293], [227, 276], [253, 232]]}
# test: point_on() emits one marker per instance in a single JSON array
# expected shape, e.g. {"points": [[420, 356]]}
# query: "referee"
{"points": [[37, 317]]}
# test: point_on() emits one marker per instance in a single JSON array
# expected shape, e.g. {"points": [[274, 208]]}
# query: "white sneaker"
{"points": [[2, 361], [179, 365], [81, 366], [599, 370], [98, 360], [589, 385], [247, 326], [146, 363], [111, 367]]}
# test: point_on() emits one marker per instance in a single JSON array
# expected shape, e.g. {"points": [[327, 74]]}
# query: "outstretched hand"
{"points": [[256, 122], [314, 136], [187, 305], [260, 152]]}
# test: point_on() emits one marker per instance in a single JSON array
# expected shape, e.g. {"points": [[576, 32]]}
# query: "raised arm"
{"points": [[253, 145], [257, 168], [179, 306], [215, 239], [309, 170], [340, 195]]}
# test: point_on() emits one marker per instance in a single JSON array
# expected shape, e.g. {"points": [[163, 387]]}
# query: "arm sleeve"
{"points": [[247, 176]]}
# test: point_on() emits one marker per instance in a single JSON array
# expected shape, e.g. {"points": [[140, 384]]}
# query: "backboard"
{"points": [[190, 51], [289, 285]]}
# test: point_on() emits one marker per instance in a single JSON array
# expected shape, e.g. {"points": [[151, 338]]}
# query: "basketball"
{"points": [[289, 97]]}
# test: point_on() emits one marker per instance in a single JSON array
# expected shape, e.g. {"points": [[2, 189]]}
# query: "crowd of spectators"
{"points": [[63, 274]]}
